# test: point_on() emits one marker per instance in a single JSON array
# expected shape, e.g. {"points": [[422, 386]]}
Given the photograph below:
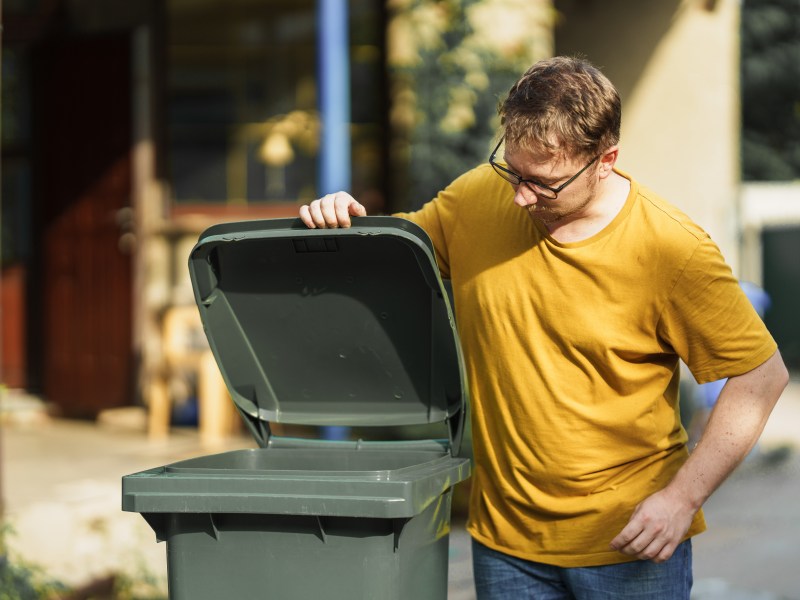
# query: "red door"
{"points": [[83, 189]]}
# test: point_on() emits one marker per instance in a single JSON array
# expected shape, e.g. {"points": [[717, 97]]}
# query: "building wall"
{"points": [[676, 64], [674, 61]]}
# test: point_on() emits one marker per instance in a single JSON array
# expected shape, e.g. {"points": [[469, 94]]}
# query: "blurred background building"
{"points": [[129, 127]]}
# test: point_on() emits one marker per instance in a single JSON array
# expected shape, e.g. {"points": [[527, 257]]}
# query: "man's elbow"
{"points": [[776, 376], [783, 376]]}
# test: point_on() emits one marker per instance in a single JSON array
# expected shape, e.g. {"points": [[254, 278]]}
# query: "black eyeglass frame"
{"points": [[515, 179]]}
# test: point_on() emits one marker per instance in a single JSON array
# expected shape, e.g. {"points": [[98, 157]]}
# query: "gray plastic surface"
{"points": [[347, 327], [303, 557], [304, 519], [330, 482], [330, 327]]}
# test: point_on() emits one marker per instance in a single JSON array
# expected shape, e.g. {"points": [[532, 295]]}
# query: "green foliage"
{"points": [[452, 62], [19, 581], [22, 581], [142, 587], [439, 154], [770, 74]]}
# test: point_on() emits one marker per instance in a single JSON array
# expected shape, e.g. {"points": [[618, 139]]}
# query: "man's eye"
{"points": [[540, 182]]}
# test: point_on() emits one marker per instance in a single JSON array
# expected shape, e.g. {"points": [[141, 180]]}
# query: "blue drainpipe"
{"points": [[333, 75], [333, 64]]}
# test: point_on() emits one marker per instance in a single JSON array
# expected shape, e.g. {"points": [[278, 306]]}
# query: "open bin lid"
{"points": [[330, 326]]}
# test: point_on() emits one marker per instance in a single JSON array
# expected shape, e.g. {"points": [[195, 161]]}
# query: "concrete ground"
{"points": [[61, 492]]}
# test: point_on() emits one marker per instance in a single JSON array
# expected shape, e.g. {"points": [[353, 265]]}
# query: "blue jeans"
{"points": [[499, 576]]}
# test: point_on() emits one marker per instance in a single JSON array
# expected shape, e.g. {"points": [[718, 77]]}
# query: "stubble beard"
{"points": [[553, 214]]}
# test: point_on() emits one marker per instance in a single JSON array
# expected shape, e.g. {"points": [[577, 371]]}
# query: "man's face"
{"points": [[552, 172]]}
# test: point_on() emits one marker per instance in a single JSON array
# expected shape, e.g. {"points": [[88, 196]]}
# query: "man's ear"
{"points": [[607, 161]]}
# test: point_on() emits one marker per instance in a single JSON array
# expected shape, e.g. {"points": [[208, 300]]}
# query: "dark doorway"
{"points": [[782, 283], [81, 293]]}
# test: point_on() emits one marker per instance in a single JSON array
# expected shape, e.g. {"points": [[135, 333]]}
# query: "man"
{"points": [[577, 291]]}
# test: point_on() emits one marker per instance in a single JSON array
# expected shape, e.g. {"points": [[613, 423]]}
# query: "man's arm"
{"points": [[659, 523]]}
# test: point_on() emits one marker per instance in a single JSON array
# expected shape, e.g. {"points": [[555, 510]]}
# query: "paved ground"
{"points": [[61, 487]]}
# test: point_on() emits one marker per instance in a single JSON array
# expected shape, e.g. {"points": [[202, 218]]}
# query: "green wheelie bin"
{"points": [[343, 327]]}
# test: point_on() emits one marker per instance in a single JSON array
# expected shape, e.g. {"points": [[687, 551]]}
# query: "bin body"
{"points": [[350, 327], [249, 556], [331, 520]]}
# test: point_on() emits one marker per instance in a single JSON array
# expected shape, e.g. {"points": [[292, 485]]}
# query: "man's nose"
{"points": [[524, 196]]}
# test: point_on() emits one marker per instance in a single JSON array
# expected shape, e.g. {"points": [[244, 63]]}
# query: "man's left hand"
{"points": [[656, 528]]}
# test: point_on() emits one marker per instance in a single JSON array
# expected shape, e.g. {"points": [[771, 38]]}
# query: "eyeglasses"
{"points": [[537, 187]]}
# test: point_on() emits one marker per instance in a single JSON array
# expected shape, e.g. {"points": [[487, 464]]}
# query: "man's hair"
{"points": [[562, 105]]}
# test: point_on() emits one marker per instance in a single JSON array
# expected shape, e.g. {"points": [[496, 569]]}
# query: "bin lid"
{"points": [[330, 326]]}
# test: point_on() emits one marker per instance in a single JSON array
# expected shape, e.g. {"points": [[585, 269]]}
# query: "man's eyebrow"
{"points": [[512, 167]]}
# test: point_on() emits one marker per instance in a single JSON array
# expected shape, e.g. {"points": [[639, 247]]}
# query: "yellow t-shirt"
{"points": [[571, 351]]}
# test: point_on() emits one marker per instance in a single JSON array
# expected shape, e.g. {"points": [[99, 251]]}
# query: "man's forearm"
{"points": [[660, 522], [735, 424]]}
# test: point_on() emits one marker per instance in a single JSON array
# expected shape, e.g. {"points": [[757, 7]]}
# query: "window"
{"points": [[242, 120]]}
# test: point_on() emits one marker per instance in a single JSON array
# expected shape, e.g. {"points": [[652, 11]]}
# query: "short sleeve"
{"points": [[709, 321], [439, 217]]}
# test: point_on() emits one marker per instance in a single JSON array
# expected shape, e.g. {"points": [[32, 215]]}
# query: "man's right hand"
{"points": [[331, 211]]}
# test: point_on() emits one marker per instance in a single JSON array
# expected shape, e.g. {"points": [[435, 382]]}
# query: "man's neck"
{"points": [[611, 197]]}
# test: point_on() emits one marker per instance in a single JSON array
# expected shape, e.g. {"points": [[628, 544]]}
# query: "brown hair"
{"points": [[562, 105]]}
